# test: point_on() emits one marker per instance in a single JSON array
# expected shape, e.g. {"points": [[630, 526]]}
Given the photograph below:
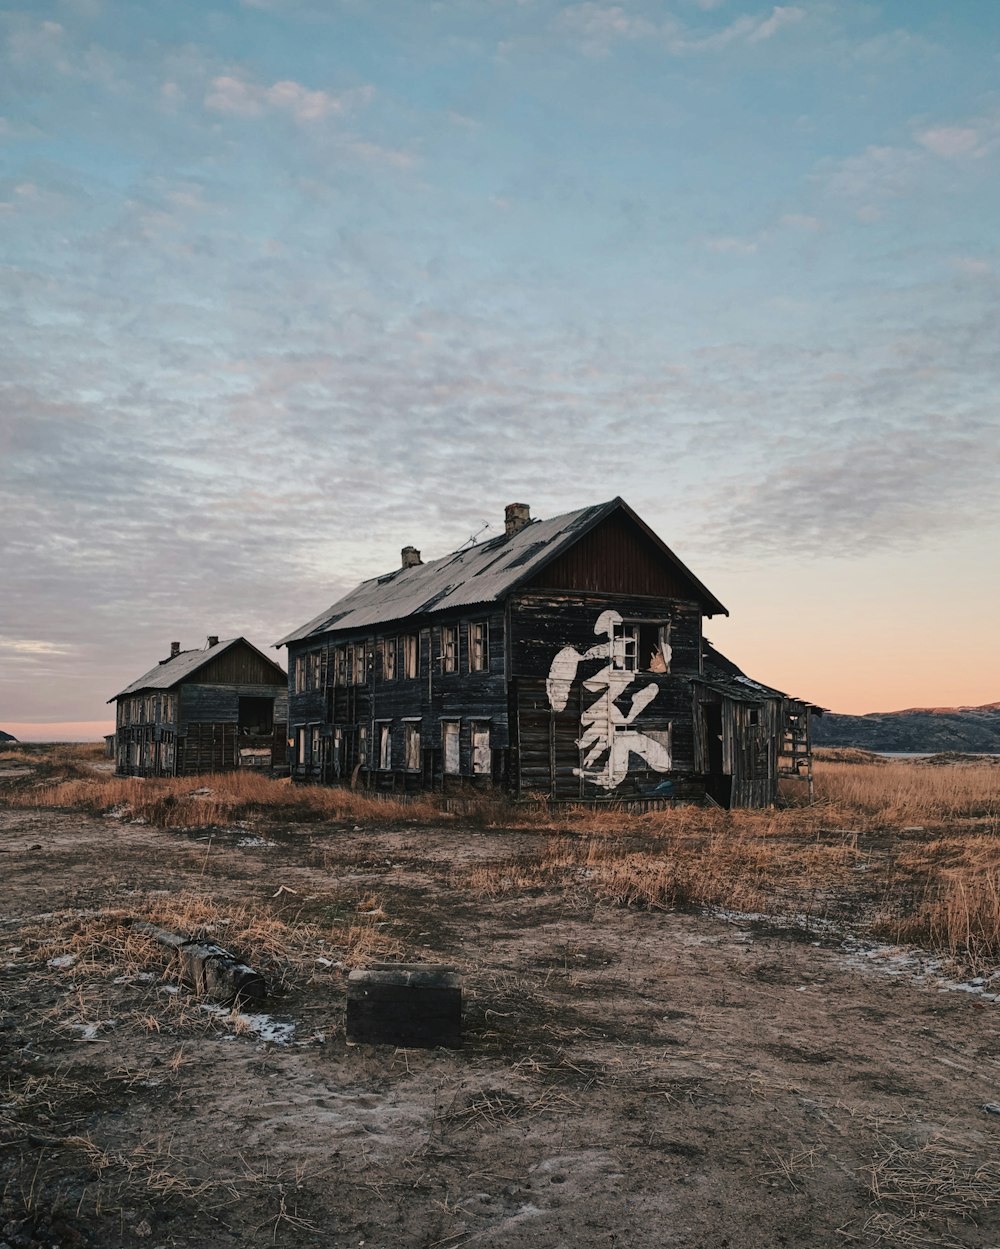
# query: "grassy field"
{"points": [[673, 1031], [907, 851]]}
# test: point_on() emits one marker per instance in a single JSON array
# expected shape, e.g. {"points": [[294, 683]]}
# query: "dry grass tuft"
{"points": [[919, 1186]]}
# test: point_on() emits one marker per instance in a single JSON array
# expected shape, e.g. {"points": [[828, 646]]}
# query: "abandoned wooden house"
{"points": [[221, 707], [563, 658]]}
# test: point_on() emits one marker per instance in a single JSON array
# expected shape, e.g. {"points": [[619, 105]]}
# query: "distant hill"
{"points": [[970, 730], [7, 737]]}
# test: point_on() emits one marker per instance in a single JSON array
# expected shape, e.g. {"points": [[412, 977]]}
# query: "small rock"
{"points": [[143, 1228]]}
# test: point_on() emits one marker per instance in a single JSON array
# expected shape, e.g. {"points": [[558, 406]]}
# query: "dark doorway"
{"points": [[718, 785]]}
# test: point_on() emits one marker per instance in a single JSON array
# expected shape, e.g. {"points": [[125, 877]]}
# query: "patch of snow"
{"points": [[918, 966], [141, 977], [117, 813], [91, 1031], [247, 843], [169, 988], [64, 960], [264, 1027]]}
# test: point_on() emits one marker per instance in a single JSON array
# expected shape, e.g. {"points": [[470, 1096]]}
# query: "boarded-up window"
{"points": [[411, 655], [340, 666], [388, 659], [449, 648], [300, 673], [314, 668], [481, 748], [479, 654], [385, 745], [316, 747], [363, 744], [411, 745], [301, 746], [449, 739]]}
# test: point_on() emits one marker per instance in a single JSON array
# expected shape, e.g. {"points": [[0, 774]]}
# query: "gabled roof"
{"points": [[478, 574], [170, 672]]}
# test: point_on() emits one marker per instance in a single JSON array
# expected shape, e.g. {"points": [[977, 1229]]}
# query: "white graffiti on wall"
{"points": [[606, 739]]}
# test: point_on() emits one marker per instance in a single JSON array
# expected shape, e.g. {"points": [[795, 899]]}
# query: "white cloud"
{"points": [[975, 266], [597, 26], [801, 221], [953, 141], [240, 97], [729, 245]]}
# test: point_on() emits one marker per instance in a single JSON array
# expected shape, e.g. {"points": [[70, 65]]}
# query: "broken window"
{"points": [[256, 716], [300, 673], [384, 745], [314, 670], [363, 744], [340, 666], [388, 647], [359, 663], [411, 745], [642, 646], [481, 763], [411, 655], [301, 746], [449, 742], [449, 648], [479, 653]]}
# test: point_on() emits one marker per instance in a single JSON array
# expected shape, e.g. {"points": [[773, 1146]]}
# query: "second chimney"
{"points": [[410, 557], [516, 516], [175, 649], [212, 641]]}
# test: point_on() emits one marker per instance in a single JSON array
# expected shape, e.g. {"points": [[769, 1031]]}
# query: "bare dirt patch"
{"points": [[631, 1076]]}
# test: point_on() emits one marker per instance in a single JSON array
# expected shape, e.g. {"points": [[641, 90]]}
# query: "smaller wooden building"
{"points": [[221, 707]]}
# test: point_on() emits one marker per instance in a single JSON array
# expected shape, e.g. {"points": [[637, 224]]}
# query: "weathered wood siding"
{"points": [[548, 755], [616, 558], [208, 737], [339, 710], [751, 735]]}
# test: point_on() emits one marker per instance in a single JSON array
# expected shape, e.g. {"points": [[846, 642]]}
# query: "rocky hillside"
{"points": [[970, 730]]}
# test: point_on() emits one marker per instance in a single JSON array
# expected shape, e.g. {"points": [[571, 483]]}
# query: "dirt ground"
{"points": [[629, 1078]]}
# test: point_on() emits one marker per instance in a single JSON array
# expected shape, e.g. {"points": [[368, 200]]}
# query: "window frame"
{"points": [[479, 646], [450, 648]]}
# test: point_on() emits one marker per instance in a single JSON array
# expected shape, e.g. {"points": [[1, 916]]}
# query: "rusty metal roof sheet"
{"points": [[473, 575]]}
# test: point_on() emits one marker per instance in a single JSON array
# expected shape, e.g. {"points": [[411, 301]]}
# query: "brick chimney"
{"points": [[410, 557], [516, 516], [175, 649], [212, 641]]}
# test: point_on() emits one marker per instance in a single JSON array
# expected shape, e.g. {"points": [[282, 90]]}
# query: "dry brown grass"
{"points": [[918, 1187], [908, 852], [219, 799]]}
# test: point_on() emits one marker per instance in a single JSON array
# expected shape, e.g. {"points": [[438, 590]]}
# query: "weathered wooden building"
{"points": [[563, 658], [221, 707]]}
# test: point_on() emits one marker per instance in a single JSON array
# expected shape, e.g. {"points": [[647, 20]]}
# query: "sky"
{"points": [[286, 285]]}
